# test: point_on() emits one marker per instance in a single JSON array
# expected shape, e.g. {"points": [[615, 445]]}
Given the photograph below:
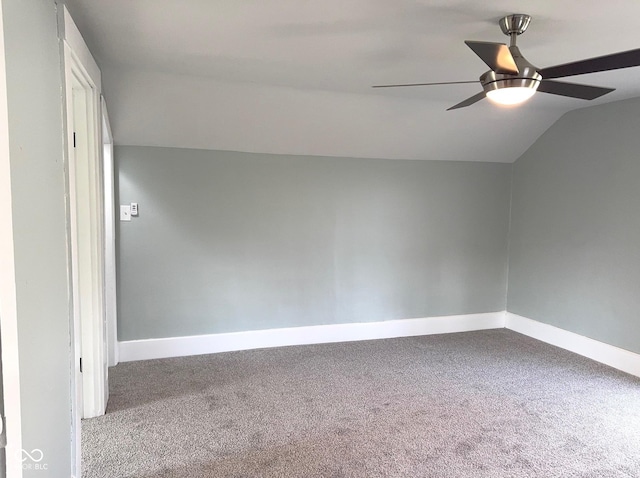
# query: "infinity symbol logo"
{"points": [[36, 455]]}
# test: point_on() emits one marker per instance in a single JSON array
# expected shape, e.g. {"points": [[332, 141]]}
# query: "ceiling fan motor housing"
{"points": [[527, 76]]}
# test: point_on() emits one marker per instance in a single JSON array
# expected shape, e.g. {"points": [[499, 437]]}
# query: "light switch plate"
{"points": [[125, 212]]}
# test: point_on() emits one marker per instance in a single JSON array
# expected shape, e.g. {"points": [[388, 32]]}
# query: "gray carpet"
{"points": [[479, 404]]}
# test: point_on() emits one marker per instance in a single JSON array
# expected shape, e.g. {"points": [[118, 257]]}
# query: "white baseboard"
{"points": [[256, 339], [615, 357]]}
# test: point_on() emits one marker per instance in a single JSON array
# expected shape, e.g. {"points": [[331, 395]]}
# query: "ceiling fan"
{"points": [[513, 80]]}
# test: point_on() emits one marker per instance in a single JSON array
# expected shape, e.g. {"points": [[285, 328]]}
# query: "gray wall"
{"points": [[38, 201], [575, 227], [233, 241]]}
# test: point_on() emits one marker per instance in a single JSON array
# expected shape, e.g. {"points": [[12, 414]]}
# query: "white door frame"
{"points": [[8, 300], [86, 218], [87, 234], [111, 301]]}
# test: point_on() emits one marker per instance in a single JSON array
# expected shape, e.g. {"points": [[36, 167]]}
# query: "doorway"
{"points": [[84, 126]]}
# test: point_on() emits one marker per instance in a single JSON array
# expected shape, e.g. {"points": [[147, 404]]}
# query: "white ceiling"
{"points": [[294, 76]]}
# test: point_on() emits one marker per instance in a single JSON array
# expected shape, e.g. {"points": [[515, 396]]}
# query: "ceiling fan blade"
{"points": [[573, 90], [615, 61], [426, 84], [496, 55], [468, 101]]}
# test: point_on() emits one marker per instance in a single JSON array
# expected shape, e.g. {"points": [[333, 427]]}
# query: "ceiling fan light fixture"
{"points": [[509, 90], [510, 96]]}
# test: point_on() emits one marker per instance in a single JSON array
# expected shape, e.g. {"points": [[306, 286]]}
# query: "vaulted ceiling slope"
{"points": [[292, 77]]}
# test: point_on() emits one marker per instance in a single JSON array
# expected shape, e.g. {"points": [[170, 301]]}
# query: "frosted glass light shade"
{"points": [[513, 95]]}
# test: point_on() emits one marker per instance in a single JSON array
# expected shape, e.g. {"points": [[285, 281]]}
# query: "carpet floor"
{"points": [[477, 404]]}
